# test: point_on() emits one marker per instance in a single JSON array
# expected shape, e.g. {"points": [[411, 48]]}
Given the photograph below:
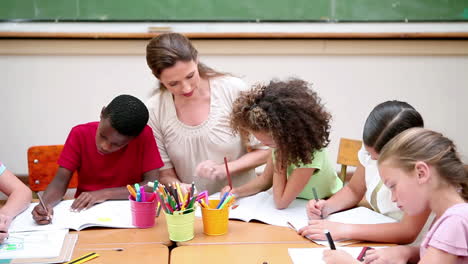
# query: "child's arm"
{"points": [[402, 232], [259, 184], [88, 199], [52, 195], [397, 254], [214, 171], [248, 161], [286, 190], [435, 256], [349, 196], [19, 197]]}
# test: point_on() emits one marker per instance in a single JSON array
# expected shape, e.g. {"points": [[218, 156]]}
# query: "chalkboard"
{"points": [[235, 10]]}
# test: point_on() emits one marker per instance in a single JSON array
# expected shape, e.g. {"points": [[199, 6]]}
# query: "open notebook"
{"points": [[37, 244], [315, 255], [114, 214], [261, 207]]}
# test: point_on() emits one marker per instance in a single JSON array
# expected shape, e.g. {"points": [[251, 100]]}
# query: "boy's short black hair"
{"points": [[127, 114]]}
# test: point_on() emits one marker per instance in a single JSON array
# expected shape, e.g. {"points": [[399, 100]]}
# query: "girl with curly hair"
{"points": [[289, 117]]}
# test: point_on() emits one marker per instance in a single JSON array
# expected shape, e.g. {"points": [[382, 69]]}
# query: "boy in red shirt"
{"points": [[118, 150]]}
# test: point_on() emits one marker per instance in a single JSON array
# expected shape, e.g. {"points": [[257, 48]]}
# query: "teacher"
{"points": [[189, 115]]}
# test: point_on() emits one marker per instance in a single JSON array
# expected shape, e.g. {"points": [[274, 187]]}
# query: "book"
{"points": [[35, 244], [65, 254], [261, 207], [114, 214], [315, 255]]}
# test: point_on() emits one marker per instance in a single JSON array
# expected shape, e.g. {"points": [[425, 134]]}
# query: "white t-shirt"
{"points": [[183, 147], [377, 194]]}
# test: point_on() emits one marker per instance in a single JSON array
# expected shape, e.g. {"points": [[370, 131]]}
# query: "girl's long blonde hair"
{"points": [[419, 144]]}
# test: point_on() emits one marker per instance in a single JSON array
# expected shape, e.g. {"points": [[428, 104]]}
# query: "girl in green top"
{"points": [[288, 117]]}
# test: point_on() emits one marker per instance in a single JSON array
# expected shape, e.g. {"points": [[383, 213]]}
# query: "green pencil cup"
{"points": [[181, 227]]}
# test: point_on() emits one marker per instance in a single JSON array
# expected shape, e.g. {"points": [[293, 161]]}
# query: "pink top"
{"points": [[450, 233], [117, 169]]}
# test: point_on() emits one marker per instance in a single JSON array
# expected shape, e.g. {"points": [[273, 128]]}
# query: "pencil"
{"points": [[314, 191], [227, 173], [43, 205], [84, 258]]}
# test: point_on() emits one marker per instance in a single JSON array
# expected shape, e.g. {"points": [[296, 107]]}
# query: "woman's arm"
{"points": [[19, 195]]}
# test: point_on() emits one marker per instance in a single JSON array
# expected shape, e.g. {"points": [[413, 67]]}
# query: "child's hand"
{"points": [[209, 169], [227, 189], [41, 216], [390, 255], [5, 222], [88, 199], [315, 230], [338, 257], [315, 209]]}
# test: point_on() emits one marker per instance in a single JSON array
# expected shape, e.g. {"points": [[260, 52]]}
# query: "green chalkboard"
{"points": [[234, 10]]}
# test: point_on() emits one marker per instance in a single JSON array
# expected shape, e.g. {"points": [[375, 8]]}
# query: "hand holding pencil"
{"points": [[42, 213], [315, 209]]}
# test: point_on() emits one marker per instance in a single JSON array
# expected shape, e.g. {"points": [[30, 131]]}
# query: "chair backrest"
{"points": [[42, 166], [348, 155]]}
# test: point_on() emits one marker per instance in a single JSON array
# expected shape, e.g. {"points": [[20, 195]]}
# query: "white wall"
{"points": [[44, 93]]}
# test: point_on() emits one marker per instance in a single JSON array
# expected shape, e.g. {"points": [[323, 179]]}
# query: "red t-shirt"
{"points": [[117, 169]]}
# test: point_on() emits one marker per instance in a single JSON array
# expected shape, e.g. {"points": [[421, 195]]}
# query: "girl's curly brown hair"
{"points": [[291, 112]]}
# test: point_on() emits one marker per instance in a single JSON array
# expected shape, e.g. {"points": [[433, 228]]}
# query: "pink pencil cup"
{"points": [[143, 213]]}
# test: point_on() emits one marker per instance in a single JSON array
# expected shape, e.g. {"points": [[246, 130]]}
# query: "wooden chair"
{"points": [[42, 166], [348, 155]]}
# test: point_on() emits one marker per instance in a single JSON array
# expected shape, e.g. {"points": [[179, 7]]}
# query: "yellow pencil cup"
{"points": [[215, 221], [181, 226]]}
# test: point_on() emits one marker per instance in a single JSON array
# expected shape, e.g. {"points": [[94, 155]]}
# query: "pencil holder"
{"points": [[215, 221], [181, 227], [143, 213]]}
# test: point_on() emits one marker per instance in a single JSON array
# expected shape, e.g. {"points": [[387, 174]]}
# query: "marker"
{"points": [[314, 191], [131, 191], [143, 194], [222, 200], [330, 239]]}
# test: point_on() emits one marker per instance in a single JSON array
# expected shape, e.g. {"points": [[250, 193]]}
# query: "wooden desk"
{"points": [[226, 254], [156, 234], [240, 232], [125, 253]]}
